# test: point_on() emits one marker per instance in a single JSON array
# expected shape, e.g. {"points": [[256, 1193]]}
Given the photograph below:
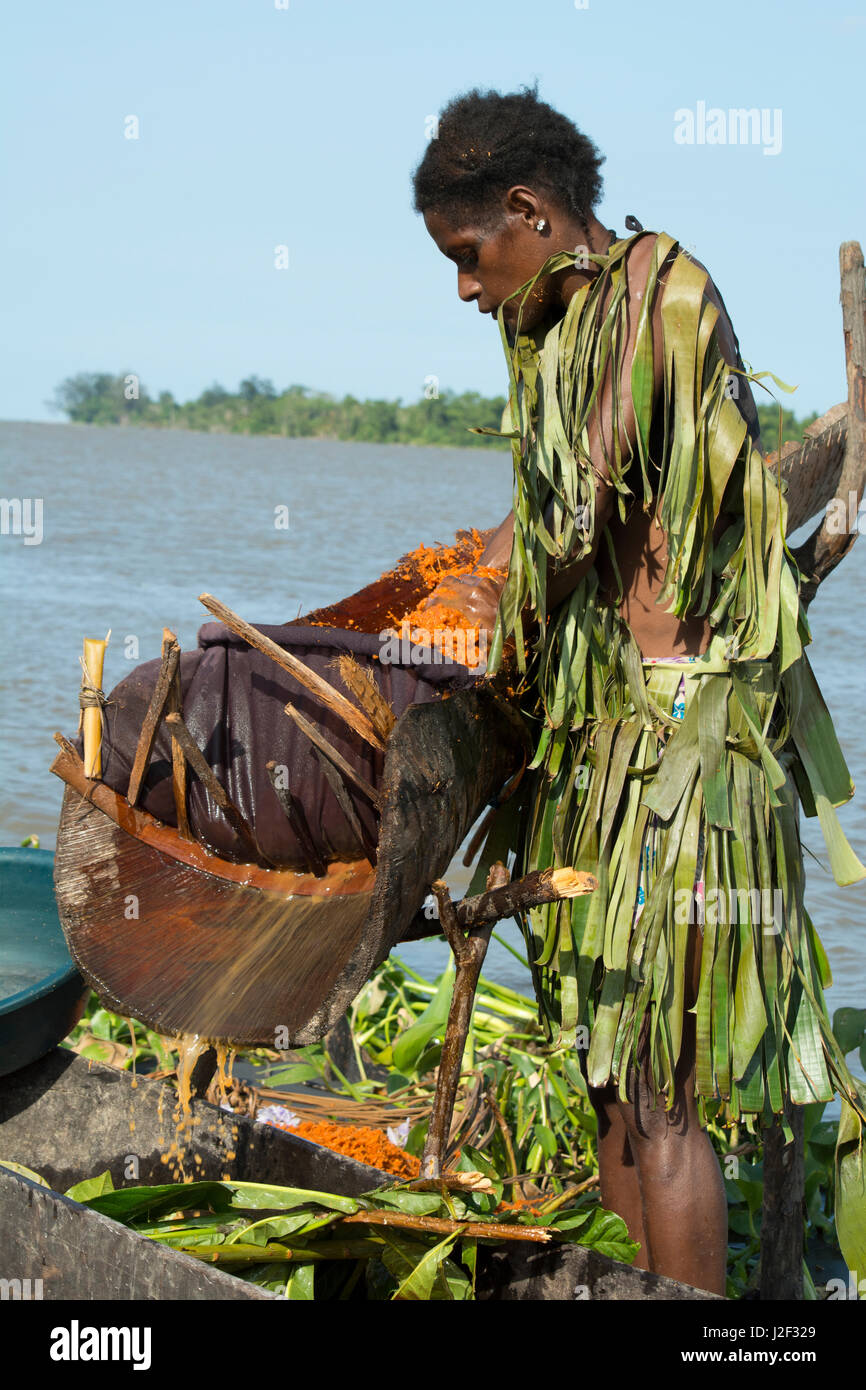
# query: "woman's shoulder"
{"points": [[640, 249]]}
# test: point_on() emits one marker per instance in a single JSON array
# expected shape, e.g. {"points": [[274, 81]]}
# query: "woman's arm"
{"points": [[497, 551], [478, 596]]}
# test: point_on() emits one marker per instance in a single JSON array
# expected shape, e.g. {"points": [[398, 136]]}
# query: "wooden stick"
{"points": [[828, 544], [363, 686], [853, 297], [781, 1274], [297, 820], [229, 1255], [208, 777], [441, 1225], [69, 748], [337, 703], [452, 1182], [174, 705], [469, 953], [547, 1205], [481, 833], [336, 758], [338, 787], [480, 913], [147, 737], [541, 886], [502, 1126], [344, 1110]]}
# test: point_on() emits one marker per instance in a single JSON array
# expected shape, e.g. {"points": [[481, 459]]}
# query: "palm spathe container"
{"points": [[261, 918]]}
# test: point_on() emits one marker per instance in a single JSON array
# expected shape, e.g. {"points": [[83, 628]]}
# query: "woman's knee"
{"points": [[650, 1121], [650, 1113]]}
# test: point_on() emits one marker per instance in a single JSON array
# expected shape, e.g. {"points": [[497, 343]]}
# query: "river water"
{"points": [[136, 523]]}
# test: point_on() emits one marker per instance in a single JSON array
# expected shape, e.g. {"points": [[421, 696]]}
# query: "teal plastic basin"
{"points": [[42, 994]]}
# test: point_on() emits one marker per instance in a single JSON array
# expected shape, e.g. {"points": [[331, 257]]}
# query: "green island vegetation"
{"points": [[100, 398], [525, 1124]]}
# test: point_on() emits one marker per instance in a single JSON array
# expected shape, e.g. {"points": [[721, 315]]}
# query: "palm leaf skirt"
{"points": [[686, 810], [714, 796]]}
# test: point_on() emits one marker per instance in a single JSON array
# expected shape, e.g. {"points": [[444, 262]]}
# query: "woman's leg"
{"points": [[618, 1179], [659, 1172], [658, 1169], [683, 1201], [685, 1209]]}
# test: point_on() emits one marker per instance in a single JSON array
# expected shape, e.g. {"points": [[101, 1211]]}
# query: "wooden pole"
{"points": [[147, 737], [337, 703], [174, 705], [469, 953], [443, 1226], [480, 913], [783, 1219], [297, 820], [335, 757], [853, 275], [208, 777], [481, 833], [344, 801], [822, 551], [505, 900], [541, 886]]}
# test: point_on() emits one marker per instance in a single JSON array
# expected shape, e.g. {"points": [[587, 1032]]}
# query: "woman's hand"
{"points": [[475, 596]]}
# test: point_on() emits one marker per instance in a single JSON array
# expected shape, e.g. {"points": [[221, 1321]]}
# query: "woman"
{"points": [[654, 607]]}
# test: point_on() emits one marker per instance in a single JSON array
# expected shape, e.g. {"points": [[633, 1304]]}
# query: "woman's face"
{"points": [[493, 264]]}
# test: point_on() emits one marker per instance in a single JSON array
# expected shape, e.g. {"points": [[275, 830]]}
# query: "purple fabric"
{"points": [[233, 704]]}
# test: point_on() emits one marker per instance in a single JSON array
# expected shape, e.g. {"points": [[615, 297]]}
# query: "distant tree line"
{"points": [[100, 398]]}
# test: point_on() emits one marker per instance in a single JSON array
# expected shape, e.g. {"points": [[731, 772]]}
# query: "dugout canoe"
{"points": [[200, 934]]}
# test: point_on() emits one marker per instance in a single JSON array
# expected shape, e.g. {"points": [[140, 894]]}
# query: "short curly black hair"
{"points": [[487, 142]]}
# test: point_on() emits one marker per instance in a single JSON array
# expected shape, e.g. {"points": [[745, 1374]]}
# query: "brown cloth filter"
{"points": [[233, 704]]}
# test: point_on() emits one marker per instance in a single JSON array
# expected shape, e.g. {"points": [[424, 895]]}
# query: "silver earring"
{"points": [[541, 224]]}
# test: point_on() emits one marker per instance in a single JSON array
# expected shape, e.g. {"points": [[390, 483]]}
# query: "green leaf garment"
{"points": [[724, 781]]}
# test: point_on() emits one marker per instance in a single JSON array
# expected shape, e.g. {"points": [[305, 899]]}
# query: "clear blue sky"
{"points": [[300, 126]]}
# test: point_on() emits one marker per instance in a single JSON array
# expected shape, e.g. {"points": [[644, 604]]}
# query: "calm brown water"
{"points": [[137, 523]]}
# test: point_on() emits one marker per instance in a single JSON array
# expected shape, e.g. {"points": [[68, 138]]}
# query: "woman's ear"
{"points": [[524, 203]]}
